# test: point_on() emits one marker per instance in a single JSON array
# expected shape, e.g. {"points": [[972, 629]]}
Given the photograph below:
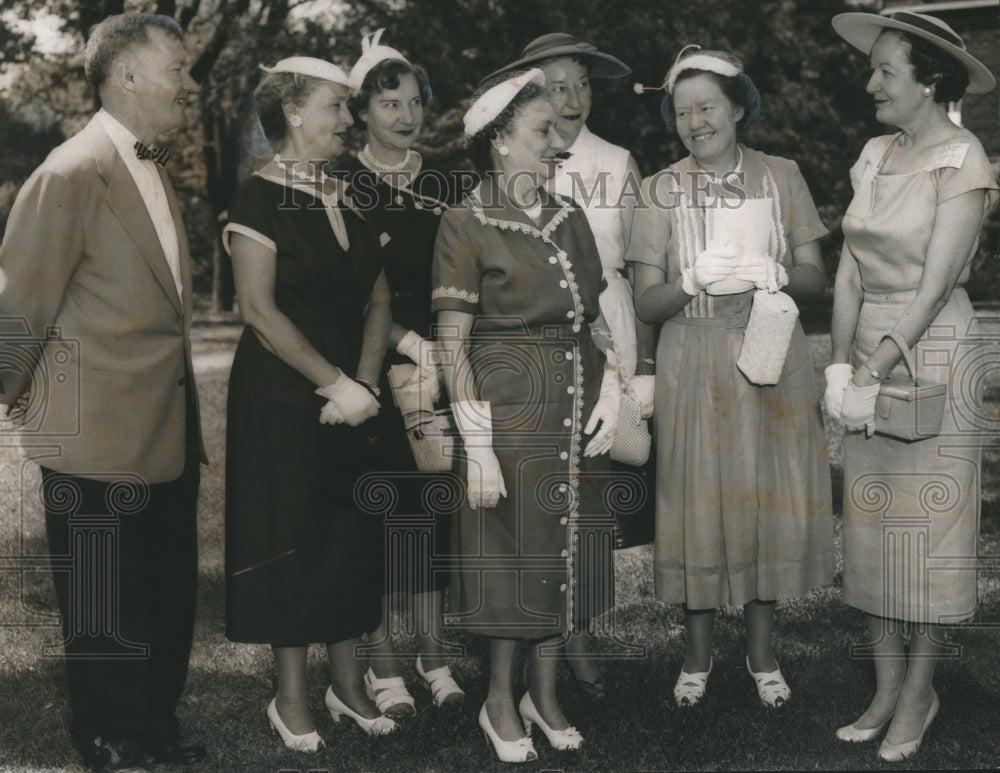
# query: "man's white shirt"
{"points": [[147, 180]]}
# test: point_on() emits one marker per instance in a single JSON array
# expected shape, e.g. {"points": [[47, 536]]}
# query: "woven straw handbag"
{"points": [[767, 337], [430, 432], [632, 439]]}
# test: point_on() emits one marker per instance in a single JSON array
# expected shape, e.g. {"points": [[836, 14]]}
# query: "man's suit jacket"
{"points": [[84, 268]]}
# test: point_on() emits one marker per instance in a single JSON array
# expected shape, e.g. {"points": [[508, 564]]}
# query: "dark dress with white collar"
{"points": [[302, 555]]}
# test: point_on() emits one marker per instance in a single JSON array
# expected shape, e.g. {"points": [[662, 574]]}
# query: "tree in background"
{"points": [[815, 107]]}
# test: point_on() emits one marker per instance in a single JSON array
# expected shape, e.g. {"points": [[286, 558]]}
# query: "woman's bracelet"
{"points": [[376, 392]]}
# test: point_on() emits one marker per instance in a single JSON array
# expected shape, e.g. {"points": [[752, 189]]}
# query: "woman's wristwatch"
{"points": [[376, 392]]}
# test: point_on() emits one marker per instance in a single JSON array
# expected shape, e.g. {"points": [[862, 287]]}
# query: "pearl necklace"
{"points": [[299, 174], [366, 158]]}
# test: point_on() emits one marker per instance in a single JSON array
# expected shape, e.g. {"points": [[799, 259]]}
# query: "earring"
{"points": [[295, 120], [503, 150], [926, 91]]}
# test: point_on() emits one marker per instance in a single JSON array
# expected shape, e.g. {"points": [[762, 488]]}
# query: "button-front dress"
{"points": [[911, 509], [744, 506], [540, 562]]}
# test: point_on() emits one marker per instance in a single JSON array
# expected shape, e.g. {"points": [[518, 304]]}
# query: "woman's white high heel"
{"points": [[380, 725], [772, 688], [441, 684], [521, 750], [569, 739], [690, 687], [897, 752], [389, 693], [307, 742], [853, 734]]}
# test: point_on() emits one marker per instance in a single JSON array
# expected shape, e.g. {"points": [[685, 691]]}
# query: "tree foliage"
{"points": [[815, 107]]}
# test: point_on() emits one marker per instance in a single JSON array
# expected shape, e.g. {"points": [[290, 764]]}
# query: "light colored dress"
{"points": [[743, 502], [911, 509], [540, 562], [594, 176]]}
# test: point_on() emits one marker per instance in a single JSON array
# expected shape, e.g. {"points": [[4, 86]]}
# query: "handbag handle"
{"points": [[897, 339]]}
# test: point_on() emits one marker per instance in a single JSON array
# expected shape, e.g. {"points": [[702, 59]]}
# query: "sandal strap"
{"points": [[440, 682], [771, 685], [387, 692], [690, 687]]}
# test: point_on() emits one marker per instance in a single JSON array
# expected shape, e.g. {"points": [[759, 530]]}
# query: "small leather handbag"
{"points": [[908, 408], [632, 438]]}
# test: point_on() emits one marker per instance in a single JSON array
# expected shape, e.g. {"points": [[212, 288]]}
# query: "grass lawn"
{"points": [[636, 729]]}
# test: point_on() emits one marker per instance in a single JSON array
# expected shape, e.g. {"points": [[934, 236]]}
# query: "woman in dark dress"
{"points": [[516, 282], [300, 557], [386, 182]]}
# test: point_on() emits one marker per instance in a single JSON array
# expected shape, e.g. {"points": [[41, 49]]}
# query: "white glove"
{"points": [[352, 403], [710, 266], [859, 407], [837, 376], [474, 419], [422, 352], [605, 411], [16, 412], [763, 271], [330, 414], [644, 389]]}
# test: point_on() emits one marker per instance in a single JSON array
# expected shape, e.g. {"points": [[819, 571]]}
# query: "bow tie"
{"points": [[158, 155]]}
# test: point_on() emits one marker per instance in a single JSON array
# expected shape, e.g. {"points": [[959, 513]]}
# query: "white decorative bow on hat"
{"points": [[372, 53]]}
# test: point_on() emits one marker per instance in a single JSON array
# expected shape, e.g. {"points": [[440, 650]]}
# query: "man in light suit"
{"points": [[95, 265]]}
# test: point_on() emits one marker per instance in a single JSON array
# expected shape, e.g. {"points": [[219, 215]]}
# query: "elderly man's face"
{"points": [[162, 82]]}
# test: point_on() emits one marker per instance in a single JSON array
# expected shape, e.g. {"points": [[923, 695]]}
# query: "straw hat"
{"points": [[492, 102], [559, 44], [314, 68], [861, 30], [372, 53]]}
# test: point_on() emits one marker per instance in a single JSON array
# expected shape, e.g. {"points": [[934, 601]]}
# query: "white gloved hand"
{"points": [[763, 271], [710, 266], [837, 376], [352, 403], [605, 411], [644, 389], [474, 419], [424, 355], [859, 407], [16, 412]]}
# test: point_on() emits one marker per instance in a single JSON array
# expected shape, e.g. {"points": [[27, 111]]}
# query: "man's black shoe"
{"points": [[177, 752], [111, 756]]}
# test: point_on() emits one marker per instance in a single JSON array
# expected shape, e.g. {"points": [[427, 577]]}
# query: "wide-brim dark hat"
{"points": [[862, 29], [559, 44]]}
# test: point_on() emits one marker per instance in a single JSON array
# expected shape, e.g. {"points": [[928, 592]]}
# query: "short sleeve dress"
{"points": [[301, 558], [416, 504], [540, 562], [744, 506], [911, 509]]}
